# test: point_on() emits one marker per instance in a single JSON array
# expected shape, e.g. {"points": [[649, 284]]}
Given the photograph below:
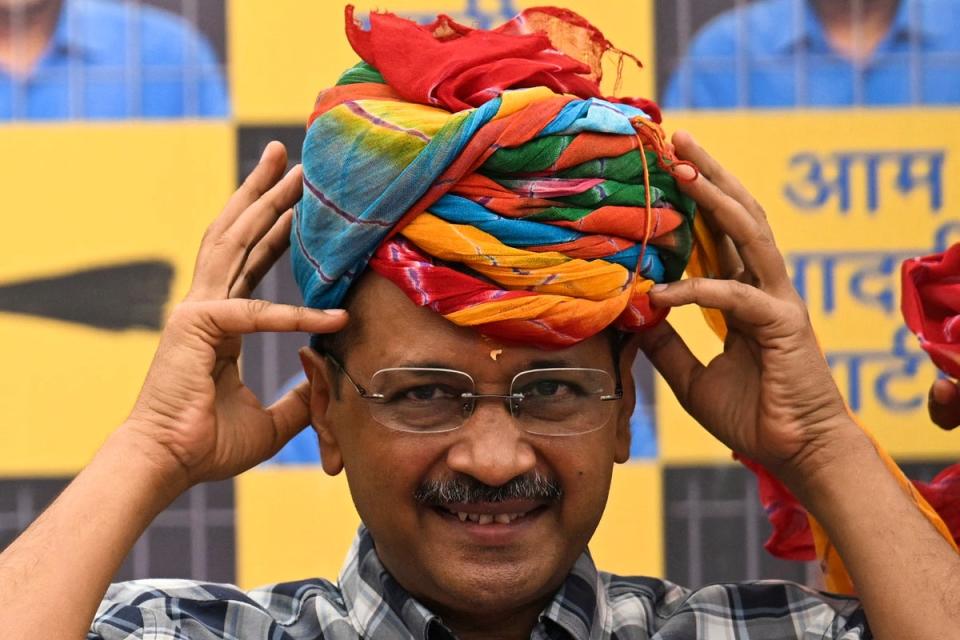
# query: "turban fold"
{"points": [[482, 173]]}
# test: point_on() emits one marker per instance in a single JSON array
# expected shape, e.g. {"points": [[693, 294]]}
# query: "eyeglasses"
{"points": [[549, 402]]}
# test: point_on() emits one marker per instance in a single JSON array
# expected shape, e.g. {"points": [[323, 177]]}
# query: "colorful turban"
{"points": [[482, 173]]}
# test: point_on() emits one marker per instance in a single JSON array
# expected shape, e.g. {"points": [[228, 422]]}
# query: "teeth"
{"points": [[486, 518]]}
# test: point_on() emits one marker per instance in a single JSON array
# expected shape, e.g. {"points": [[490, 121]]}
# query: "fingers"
{"points": [[670, 355], [273, 245], [261, 216], [731, 266], [943, 404], [224, 256], [269, 169], [291, 413], [219, 318], [728, 208], [740, 302], [688, 149]]}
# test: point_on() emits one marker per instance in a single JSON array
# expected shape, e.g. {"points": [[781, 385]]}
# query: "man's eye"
{"points": [[427, 392], [549, 388]]}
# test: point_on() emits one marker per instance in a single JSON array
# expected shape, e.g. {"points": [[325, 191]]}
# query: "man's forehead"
{"points": [[394, 331]]}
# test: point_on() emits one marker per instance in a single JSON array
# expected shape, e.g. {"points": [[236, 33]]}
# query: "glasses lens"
{"points": [[563, 401], [420, 400]]}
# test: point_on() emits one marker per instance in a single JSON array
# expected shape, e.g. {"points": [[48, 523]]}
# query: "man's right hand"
{"points": [[193, 421], [194, 418]]}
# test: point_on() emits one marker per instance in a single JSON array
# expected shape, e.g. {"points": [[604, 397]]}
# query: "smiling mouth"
{"points": [[487, 518], [489, 514]]}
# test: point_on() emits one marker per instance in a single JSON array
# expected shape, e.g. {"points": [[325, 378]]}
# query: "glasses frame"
{"points": [[511, 400]]}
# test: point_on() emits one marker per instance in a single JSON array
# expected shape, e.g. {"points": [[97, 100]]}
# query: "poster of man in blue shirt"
{"points": [[811, 53], [106, 59]]}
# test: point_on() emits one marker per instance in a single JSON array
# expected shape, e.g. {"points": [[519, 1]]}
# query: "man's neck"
{"points": [[25, 31], [854, 28]]}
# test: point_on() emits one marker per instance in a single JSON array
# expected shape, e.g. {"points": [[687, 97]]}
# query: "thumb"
{"points": [[671, 356], [291, 413]]}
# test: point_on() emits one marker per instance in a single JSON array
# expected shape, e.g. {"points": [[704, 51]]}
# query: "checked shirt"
{"points": [[368, 603]]}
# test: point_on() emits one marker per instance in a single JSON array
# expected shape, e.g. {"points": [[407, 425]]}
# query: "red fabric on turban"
{"points": [[456, 67]]}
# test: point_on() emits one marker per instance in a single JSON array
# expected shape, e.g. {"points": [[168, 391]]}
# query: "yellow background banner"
{"points": [[80, 197]]}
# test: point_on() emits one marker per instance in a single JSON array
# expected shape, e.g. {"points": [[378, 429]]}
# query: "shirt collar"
{"points": [[380, 608], [809, 32], [580, 606], [72, 35]]}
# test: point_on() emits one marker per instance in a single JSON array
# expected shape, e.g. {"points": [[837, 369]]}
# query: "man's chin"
{"points": [[490, 587], [494, 567]]}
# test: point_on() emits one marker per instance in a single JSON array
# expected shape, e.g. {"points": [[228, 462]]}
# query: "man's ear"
{"points": [[322, 385], [628, 353]]}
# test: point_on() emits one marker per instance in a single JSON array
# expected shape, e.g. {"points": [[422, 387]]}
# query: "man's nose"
{"points": [[490, 446]]}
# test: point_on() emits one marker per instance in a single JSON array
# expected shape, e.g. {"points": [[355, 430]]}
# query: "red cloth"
{"points": [[931, 306], [453, 66], [792, 538]]}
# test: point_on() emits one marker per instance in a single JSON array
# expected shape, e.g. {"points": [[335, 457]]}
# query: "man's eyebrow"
{"points": [[541, 363], [424, 364], [550, 363]]}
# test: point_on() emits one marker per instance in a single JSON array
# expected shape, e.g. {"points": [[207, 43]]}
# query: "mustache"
{"points": [[463, 489]]}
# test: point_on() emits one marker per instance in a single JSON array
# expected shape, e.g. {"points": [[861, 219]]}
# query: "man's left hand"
{"points": [[769, 395]]}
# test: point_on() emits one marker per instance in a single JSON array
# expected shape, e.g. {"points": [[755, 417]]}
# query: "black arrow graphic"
{"points": [[113, 297]]}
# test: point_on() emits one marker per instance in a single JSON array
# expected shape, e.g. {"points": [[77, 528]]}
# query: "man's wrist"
{"points": [[824, 463], [148, 463]]}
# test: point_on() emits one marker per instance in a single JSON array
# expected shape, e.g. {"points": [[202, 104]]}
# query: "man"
{"points": [[823, 53], [69, 59], [479, 465]]}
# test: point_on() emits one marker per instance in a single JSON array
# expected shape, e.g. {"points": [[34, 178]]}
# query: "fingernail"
{"points": [[684, 171], [334, 312], [263, 154], [659, 287]]}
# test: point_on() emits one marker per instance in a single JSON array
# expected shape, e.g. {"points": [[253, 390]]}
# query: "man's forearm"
{"points": [[55, 574], [906, 574]]}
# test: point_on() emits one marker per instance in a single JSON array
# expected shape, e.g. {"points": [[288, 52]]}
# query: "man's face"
{"points": [[451, 565], [24, 6]]}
